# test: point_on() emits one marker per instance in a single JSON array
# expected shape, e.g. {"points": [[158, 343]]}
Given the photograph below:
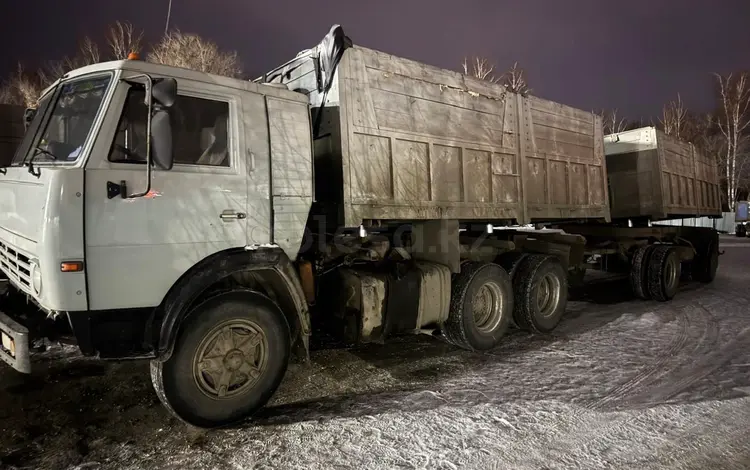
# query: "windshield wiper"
{"points": [[39, 151]]}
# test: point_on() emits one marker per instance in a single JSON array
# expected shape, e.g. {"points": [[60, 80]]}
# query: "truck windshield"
{"points": [[62, 128]]}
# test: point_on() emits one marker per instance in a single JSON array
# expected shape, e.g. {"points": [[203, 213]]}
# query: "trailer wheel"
{"points": [[541, 293], [664, 273], [704, 267], [481, 306], [510, 262], [639, 272], [229, 357]]}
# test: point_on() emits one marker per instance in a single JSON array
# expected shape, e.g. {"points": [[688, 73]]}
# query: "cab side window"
{"points": [[199, 129]]}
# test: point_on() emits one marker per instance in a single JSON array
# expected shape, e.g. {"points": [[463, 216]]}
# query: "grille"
{"points": [[16, 266]]}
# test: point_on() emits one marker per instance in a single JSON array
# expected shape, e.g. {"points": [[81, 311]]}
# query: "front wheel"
{"points": [[230, 356]]}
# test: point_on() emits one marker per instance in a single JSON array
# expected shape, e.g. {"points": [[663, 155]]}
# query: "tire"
{"points": [[639, 272], [193, 394], [510, 262], [705, 265], [481, 306], [664, 273], [740, 231], [540, 278]]}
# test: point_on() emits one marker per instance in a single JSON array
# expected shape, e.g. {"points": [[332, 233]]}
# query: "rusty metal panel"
{"points": [[653, 175]]}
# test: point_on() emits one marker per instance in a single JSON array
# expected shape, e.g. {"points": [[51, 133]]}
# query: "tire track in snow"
{"points": [[660, 372], [668, 443], [603, 427], [703, 366], [645, 375]]}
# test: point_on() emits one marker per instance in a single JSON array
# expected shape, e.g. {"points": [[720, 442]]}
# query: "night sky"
{"points": [[591, 54]]}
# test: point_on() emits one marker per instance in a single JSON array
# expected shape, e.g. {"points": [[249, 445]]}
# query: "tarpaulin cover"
{"points": [[327, 55]]}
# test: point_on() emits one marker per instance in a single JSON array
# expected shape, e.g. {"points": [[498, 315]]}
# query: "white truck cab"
{"points": [[136, 188]]}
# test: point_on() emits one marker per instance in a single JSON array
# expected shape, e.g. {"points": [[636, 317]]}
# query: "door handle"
{"points": [[231, 215]]}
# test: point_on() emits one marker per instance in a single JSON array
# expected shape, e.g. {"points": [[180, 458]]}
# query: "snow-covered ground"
{"points": [[620, 384]]}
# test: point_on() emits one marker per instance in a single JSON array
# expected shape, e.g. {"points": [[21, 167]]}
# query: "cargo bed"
{"points": [[401, 140], [657, 177]]}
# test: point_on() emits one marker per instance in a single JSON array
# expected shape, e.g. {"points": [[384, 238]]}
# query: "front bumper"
{"points": [[14, 347]]}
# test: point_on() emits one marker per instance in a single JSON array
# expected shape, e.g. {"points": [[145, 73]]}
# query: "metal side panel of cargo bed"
{"points": [[419, 142], [655, 176], [401, 140]]}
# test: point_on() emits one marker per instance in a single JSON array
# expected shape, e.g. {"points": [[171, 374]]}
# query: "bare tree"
{"points": [[88, 53], [734, 124], [515, 80], [122, 39], [194, 52], [612, 123], [674, 118], [480, 68], [6, 94], [21, 89]]}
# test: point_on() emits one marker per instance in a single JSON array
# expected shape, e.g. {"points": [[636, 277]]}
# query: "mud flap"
{"points": [[402, 304]]}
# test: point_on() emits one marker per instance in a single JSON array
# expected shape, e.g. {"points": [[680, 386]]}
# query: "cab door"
{"points": [[136, 248]]}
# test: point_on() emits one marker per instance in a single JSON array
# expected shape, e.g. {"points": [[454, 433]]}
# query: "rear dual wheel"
{"points": [[540, 284], [481, 306], [706, 263], [655, 272], [485, 299]]}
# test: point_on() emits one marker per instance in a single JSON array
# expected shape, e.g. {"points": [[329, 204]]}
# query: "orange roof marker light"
{"points": [[134, 56]]}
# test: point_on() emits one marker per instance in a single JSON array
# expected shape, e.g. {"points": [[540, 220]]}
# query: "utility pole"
{"points": [[169, 13]]}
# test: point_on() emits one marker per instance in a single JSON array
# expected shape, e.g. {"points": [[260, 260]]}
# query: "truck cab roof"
{"points": [[139, 66]]}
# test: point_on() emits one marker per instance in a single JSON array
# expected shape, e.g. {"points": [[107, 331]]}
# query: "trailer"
{"points": [[653, 176], [207, 223]]}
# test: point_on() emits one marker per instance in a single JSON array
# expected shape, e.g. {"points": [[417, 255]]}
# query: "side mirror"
{"points": [[163, 96], [164, 92], [28, 116], [161, 139]]}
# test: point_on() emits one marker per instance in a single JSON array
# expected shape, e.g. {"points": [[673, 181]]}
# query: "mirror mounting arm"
{"points": [[149, 104], [159, 97]]}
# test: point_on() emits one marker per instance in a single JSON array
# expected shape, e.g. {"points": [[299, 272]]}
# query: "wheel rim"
{"points": [[671, 272], [230, 359], [548, 295], [487, 307]]}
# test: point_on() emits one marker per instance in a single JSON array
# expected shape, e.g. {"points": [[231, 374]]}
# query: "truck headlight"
{"points": [[36, 278]]}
